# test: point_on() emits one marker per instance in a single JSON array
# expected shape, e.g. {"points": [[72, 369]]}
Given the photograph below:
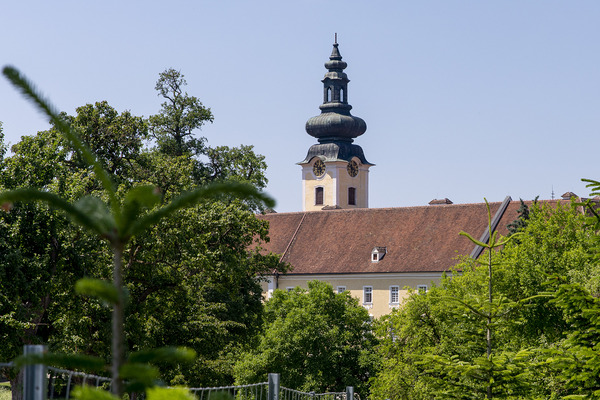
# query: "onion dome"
{"points": [[335, 123]]}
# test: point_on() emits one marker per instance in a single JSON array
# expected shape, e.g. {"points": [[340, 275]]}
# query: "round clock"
{"points": [[352, 168], [319, 168]]}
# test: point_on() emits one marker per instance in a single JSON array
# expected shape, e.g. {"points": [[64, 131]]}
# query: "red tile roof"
{"points": [[417, 239]]}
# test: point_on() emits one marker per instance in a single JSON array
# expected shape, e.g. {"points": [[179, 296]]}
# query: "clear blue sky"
{"points": [[462, 99]]}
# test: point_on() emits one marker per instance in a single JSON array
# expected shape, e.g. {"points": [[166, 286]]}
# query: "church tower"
{"points": [[335, 172]]}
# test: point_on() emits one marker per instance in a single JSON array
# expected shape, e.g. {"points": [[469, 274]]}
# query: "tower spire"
{"points": [[335, 123], [335, 171]]}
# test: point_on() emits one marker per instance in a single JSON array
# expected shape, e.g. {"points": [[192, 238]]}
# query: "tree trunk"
{"points": [[16, 386], [118, 354]]}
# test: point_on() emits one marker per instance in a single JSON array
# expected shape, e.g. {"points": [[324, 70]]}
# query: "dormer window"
{"points": [[378, 253]]}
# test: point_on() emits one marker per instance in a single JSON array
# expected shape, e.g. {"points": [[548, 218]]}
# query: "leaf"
{"points": [[29, 90], [96, 210], [69, 361], [98, 288], [164, 354], [90, 393], [31, 195], [472, 239], [159, 393], [136, 200], [139, 376], [185, 200]]}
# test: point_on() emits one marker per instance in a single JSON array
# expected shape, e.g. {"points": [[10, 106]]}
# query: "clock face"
{"points": [[352, 168], [319, 168]]}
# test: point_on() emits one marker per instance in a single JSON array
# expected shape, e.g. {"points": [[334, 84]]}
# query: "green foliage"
{"points": [[158, 393], [5, 392], [91, 393], [180, 115], [102, 290], [316, 339], [115, 139], [115, 214], [68, 361], [435, 345], [576, 360], [521, 221]]}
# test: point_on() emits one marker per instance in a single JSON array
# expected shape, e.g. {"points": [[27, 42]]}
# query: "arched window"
{"points": [[351, 196], [328, 94], [318, 195], [342, 99]]}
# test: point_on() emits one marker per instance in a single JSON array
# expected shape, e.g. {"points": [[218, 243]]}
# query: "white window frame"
{"points": [[396, 289], [341, 289], [367, 290], [422, 289]]}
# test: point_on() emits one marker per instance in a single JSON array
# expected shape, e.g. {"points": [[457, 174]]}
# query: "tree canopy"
{"points": [[434, 346], [318, 340], [191, 279]]}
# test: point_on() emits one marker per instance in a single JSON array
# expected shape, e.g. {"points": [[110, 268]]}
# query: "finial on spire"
{"points": [[335, 41]]}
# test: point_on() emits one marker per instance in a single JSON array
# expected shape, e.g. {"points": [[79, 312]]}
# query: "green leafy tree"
{"points": [[436, 347], [38, 249], [576, 359], [116, 221], [521, 221], [117, 140], [180, 116], [316, 339]]}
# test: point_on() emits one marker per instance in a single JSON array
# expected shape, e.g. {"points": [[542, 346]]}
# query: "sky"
{"points": [[463, 100]]}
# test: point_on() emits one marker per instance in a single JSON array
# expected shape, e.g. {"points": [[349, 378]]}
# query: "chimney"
{"points": [[436, 202], [568, 196]]}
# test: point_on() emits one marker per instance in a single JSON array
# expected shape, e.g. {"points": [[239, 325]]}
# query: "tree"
{"points": [[434, 347], [116, 139], [179, 117], [316, 339], [117, 220], [38, 250], [521, 220]]}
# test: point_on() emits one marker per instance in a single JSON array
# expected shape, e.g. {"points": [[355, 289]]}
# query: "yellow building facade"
{"points": [[378, 293], [337, 186]]}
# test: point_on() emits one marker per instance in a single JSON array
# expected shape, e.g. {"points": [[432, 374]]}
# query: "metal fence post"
{"points": [[349, 393], [35, 385], [273, 393]]}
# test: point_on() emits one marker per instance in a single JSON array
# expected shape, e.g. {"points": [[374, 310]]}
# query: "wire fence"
{"points": [[291, 394], [61, 382], [257, 391]]}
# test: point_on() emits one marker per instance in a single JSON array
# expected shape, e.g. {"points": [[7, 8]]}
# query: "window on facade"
{"points": [[341, 289], [351, 196], [319, 195], [368, 294], [422, 289], [394, 294], [342, 95], [328, 94]]}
